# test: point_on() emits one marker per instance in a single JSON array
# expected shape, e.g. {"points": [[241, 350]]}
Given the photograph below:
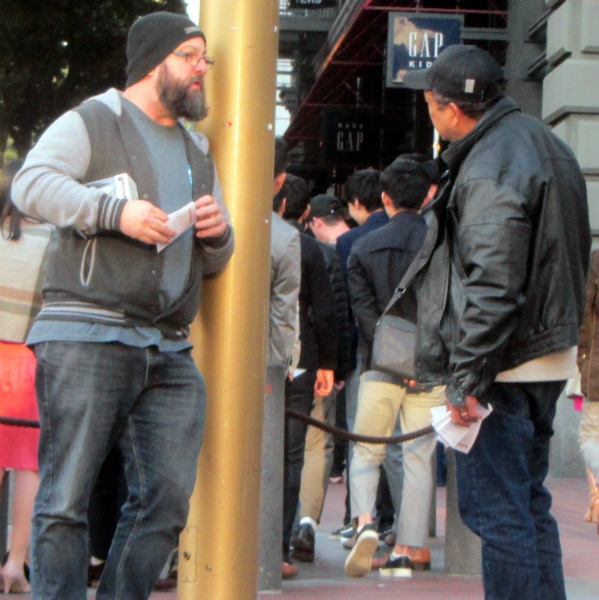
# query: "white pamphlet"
{"points": [[453, 435], [180, 220]]}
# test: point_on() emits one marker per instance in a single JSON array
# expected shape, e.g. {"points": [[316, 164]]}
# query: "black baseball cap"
{"points": [[460, 73], [325, 205]]}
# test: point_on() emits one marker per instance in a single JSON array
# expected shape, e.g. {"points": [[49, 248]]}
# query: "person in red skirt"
{"points": [[22, 246]]}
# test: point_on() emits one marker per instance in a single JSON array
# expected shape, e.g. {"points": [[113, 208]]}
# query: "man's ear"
{"points": [[305, 214], [315, 222], [387, 202], [357, 204], [282, 208], [457, 113], [278, 183]]}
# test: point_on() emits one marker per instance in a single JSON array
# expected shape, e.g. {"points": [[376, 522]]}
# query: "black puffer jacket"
{"points": [[341, 298], [504, 264]]}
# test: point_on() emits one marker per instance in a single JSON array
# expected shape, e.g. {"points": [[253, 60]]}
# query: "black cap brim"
{"points": [[417, 80]]}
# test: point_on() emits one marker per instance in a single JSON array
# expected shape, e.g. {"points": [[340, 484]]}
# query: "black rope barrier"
{"points": [[336, 431], [19, 422], [356, 437]]}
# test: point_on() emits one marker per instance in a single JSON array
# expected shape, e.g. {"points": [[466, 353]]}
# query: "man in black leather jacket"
{"points": [[501, 297]]}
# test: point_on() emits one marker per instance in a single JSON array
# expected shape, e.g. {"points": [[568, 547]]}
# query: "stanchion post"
{"points": [[218, 555]]}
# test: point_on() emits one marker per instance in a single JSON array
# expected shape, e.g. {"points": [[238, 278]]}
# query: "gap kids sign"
{"points": [[414, 42]]}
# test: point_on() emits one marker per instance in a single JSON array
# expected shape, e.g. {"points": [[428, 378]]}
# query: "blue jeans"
{"points": [[502, 498], [91, 396]]}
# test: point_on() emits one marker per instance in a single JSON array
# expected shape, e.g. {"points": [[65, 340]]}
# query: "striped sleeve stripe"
{"points": [[82, 310], [109, 212]]}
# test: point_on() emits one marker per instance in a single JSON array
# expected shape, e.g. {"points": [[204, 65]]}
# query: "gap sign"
{"points": [[414, 42]]}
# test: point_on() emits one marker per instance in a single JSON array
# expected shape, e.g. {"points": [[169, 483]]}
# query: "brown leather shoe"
{"points": [[419, 557], [288, 570]]}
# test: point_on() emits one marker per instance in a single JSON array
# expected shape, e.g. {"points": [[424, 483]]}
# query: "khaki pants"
{"points": [[378, 406], [318, 459]]}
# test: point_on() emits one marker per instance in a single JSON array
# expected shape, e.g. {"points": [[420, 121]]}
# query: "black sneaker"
{"points": [[358, 562], [346, 531], [303, 548], [397, 567]]}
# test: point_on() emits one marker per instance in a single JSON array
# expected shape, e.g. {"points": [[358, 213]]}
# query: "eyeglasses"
{"points": [[195, 58]]}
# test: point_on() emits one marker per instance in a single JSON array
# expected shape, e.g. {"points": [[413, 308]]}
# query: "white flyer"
{"points": [[180, 220], [453, 435]]}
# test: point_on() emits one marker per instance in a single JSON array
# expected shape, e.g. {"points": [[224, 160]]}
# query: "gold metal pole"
{"points": [[218, 557]]}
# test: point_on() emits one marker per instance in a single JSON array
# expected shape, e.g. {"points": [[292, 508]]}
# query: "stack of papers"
{"points": [[118, 186], [453, 435]]}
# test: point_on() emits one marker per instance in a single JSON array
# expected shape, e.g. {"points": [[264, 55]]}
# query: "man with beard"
{"points": [[114, 363]]}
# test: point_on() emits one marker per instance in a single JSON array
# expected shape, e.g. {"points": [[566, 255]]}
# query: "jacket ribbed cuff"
{"points": [[109, 212], [220, 242]]}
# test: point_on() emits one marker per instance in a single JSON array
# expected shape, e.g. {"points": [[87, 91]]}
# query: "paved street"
{"points": [[326, 577]]}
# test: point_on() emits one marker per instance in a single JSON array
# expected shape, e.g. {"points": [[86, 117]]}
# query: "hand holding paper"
{"points": [[456, 436], [145, 222], [204, 212], [211, 222], [179, 221]]}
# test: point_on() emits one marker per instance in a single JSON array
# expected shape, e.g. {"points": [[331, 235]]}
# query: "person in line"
{"points": [[315, 373], [363, 194], [318, 453], [114, 361], [501, 294], [285, 280], [588, 363], [23, 245], [376, 265]]}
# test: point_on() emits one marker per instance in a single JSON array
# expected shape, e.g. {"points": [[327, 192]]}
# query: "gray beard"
{"points": [[177, 98]]}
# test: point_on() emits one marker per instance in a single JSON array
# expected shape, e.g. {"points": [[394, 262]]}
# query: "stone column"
{"points": [[571, 108], [271, 507], [462, 547]]}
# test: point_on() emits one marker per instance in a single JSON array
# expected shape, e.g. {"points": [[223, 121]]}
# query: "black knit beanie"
{"points": [[152, 38]]}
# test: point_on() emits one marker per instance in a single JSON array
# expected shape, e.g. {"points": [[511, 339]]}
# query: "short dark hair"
{"points": [[7, 209], [406, 183], [331, 219], [473, 110], [280, 156], [297, 192], [429, 165], [365, 185]]}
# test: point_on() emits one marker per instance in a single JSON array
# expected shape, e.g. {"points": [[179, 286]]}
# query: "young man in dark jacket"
{"points": [[376, 265], [501, 299]]}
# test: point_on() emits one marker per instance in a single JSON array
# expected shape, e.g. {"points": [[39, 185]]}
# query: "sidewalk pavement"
{"points": [[325, 578]]}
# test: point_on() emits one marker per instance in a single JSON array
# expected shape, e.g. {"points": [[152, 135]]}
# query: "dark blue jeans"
{"points": [[91, 396], [502, 498]]}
